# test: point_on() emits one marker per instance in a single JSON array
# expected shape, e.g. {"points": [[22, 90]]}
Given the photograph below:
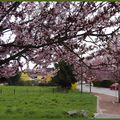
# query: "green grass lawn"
{"points": [[43, 103]]}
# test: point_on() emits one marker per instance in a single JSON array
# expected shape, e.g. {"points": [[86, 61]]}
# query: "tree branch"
{"points": [[13, 7], [12, 57]]}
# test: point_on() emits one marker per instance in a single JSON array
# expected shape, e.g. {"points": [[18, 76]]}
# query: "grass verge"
{"points": [[45, 103]]}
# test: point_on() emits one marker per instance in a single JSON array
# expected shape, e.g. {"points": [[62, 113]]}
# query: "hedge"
{"points": [[104, 83]]}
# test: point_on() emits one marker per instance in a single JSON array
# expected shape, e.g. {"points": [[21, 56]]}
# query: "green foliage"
{"points": [[34, 83], [64, 76], [47, 84], [104, 83], [28, 83], [14, 80]]}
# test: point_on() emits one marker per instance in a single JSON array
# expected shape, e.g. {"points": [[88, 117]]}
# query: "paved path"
{"points": [[105, 91], [107, 106], [106, 103]]}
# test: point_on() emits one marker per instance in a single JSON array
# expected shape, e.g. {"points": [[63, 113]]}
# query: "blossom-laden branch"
{"points": [[47, 32]]}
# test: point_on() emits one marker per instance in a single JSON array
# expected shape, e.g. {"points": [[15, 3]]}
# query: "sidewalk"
{"points": [[107, 106]]}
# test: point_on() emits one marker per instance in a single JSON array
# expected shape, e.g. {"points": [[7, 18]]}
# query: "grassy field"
{"points": [[43, 103]]}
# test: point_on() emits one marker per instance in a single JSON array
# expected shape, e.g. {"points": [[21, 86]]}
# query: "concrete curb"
{"points": [[110, 116], [98, 108]]}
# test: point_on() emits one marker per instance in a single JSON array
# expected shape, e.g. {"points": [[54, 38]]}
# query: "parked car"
{"points": [[114, 86]]}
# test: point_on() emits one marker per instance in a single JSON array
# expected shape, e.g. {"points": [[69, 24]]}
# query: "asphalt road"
{"points": [[106, 91]]}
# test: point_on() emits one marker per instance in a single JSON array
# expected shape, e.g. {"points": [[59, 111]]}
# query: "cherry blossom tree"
{"points": [[46, 32], [107, 62]]}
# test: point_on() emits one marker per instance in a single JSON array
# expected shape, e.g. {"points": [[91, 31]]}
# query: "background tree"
{"points": [[14, 80], [64, 76]]}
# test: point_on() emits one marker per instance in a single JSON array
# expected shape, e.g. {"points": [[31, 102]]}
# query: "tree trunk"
{"points": [[81, 80], [119, 93], [90, 87], [81, 86]]}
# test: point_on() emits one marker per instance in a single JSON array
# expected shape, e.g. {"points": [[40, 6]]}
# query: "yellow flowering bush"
{"points": [[74, 86], [24, 76]]}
